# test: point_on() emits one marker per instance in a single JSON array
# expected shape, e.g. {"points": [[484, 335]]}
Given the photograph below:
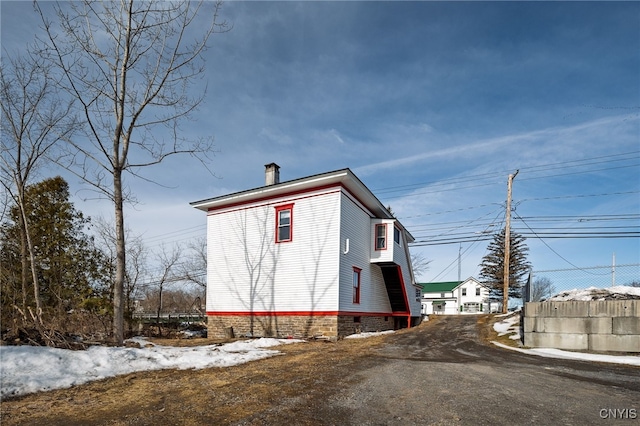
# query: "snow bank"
{"points": [[28, 369], [580, 356], [620, 292], [367, 334]]}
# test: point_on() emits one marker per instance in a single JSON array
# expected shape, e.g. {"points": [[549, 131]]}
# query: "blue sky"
{"points": [[431, 104]]}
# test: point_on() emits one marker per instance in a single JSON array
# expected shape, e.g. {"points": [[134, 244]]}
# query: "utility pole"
{"points": [[460, 263], [507, 248]]}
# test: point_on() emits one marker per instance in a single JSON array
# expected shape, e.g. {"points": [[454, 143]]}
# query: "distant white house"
{"points": [[456, 297], [313, 256]]}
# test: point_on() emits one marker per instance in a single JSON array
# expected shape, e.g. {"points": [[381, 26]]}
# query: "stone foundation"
{"points": [[297, 326], [271, 326], [352, 325]]}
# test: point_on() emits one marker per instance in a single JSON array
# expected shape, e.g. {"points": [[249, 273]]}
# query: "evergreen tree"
{"points": [[492, 266], [67, 265]]}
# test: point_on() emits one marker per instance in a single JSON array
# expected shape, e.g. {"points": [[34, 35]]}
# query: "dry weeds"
{"points": [[304, 373]]}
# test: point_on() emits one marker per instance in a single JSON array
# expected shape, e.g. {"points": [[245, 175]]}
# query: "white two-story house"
{"points": [[456, 297], [316, 256]]}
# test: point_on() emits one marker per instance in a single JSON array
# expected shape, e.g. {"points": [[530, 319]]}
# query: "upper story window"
{"points": [[284, 223], [396, 235], [464, 291], [477, 291], [381, 236]]}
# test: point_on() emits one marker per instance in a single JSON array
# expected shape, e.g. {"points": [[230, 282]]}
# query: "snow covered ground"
{"points": [[367, 334], [580, 356], [28, 369], [510, 325], [593, 293]]}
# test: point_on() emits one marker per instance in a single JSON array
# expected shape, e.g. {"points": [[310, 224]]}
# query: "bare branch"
{"points": [[131, 66]]}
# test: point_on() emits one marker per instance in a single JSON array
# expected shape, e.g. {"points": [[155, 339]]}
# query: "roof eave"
{"points": [[344, 177]]}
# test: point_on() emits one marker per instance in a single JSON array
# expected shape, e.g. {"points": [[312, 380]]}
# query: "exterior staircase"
{"points": [[392, 275]]}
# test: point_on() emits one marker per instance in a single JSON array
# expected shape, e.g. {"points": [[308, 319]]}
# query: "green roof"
{"points": [[439, 287]]}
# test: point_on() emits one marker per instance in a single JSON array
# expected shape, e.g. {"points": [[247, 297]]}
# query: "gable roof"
{"points": [[439, 287], [344, 178]]}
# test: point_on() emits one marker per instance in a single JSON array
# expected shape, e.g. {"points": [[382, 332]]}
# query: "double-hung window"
{"points": [[381, 236], [396, 235], [284, 223], [356, 284]]}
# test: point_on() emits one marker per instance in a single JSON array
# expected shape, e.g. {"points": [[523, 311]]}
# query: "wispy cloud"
{"points": [[582, 134]]}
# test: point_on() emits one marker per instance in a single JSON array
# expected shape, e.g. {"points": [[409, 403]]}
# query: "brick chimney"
{"points": [[271, 174]]}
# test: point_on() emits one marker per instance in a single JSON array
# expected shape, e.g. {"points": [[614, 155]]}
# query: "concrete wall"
{"points": [[600, 326]]}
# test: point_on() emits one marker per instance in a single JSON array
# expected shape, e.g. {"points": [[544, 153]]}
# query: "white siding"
{"points": [[449, 308], [249, 272], [471, 285], [355, 226]]}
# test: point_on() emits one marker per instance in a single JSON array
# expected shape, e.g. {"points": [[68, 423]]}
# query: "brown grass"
{"points": [[488, 334], [211, 396]]}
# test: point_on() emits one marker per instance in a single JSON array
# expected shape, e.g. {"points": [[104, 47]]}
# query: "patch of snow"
{"points": [[593, 293], [367, 334], [558, 353], [507, 325], [28, 369]]}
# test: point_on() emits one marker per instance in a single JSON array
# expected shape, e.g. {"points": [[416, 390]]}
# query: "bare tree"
{"points": [[542, 288], [176, 300], [34, 120], [130, 66], [194, 267], [419, 263], [167, 261], [136, 255]]}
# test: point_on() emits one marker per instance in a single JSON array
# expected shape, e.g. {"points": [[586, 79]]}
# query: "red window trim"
{"points": [[356, 290], [375, 237], [278, 210]]}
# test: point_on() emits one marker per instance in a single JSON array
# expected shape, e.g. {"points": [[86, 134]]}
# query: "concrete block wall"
{"points": [[600, 326]]}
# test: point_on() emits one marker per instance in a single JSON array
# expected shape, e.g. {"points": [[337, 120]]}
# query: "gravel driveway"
{"points": [[444, 375]]}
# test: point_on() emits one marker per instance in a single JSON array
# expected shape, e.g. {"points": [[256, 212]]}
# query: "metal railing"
{"points": [[166, 318]]}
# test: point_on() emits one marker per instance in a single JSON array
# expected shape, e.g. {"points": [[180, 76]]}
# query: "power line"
{"points": [[468, 249], [499, 174], [583, 218], [548, 246]]}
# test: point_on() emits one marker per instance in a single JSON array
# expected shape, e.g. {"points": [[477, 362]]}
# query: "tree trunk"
{"points": [[25, 263], [32, 258], [118, 293]]}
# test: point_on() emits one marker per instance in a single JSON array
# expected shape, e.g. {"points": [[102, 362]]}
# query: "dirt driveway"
{"points": [[442, 372]]}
